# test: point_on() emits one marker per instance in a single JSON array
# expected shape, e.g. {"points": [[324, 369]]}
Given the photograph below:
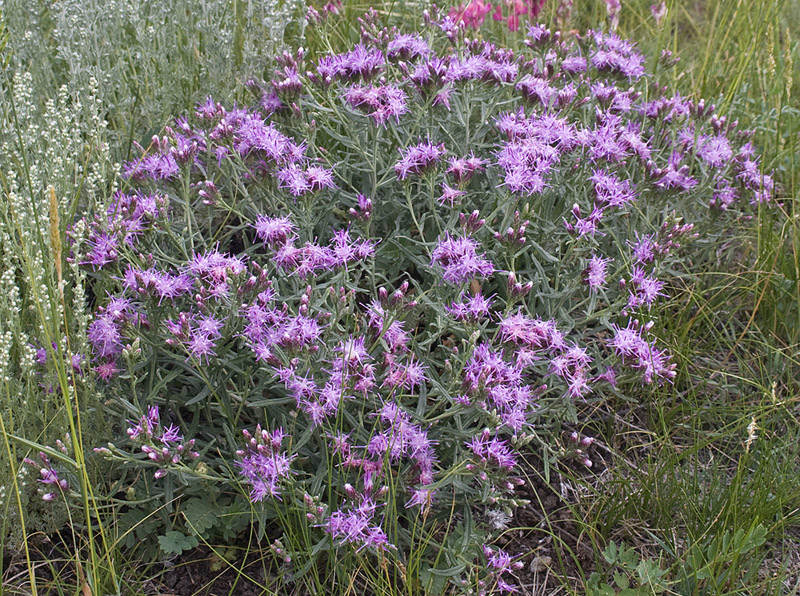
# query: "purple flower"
{"points": [[645, 248], [157, 167], [103, 249], [450, 196], [675, 175], [616, 55], [573, 64], [293, 179], [104, 336], [107, 370], [416, 159], [215, 267], [381, 103], [421, 497], [715, 151], [471, 308], [253, 136], [406, 376], [463, 168], [610, 190], [274, 230], [634, 349], [535, 89], [493, 450], [201, 347], [595, 273], [262, 464], [459, 259], [355, 526], [299, 182], [407, 47]]}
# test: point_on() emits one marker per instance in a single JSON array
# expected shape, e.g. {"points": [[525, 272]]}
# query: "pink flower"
{"points": [[472, 15]]}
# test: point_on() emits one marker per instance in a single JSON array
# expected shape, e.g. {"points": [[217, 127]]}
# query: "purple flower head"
{"points": [[381, 103], [416, 159], [147, 426], [254, 136], [104, 337], [470, 308], [450, 196], [262, 464], [535, 89], [421, 497], [107, 370], [430, 73], [492, 450], [407, 47], [274, 230], [215, 267], [103, 248], [723, 195], [595, 272], [675, 175], [355, 526], [573, 64], [715, 151], [647, 290], [610, 190], [345, 250], [645, 248], [299, 182], [459, 259], [360, 62], [629, 344], [209, 109], [616, 55], [463, 168], [405, 376], [585, 226], [158, 166], [201, 347]]}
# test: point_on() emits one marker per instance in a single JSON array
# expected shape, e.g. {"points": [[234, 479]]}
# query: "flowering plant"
{"points": [[368, 295]]}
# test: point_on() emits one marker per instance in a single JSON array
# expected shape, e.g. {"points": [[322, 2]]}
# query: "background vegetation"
{"points": [[699, 490]]}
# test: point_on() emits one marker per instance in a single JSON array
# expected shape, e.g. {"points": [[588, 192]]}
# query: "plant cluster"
{"points": [[351, 309]]}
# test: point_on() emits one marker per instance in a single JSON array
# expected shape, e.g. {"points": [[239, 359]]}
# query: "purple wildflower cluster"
{"points": [[163, 445], [113, 325], [263, 464], [410, 367], [239, 132], [53, 483], [125, 219], [356, 525], [416, 159], [381, 103], [629, 343], [459, 259]]}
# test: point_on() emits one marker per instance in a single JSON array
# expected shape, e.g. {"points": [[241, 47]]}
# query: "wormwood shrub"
{"points": [[43, 331], [347, 311], [151, 59]]}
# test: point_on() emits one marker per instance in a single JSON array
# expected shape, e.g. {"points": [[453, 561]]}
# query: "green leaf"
{"points": [[754, 539], [434, 584], [175, 543], [649, 572], [200, 515], [621, 580], [610, 553]]}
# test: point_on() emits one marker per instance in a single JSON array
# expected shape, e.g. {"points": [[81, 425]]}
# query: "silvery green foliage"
{"points": [[150, 59]]}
